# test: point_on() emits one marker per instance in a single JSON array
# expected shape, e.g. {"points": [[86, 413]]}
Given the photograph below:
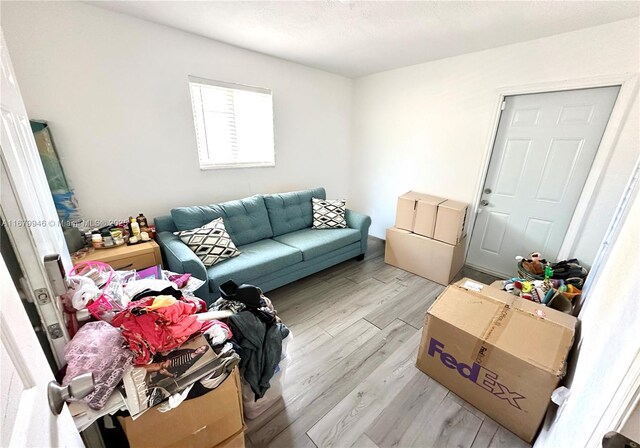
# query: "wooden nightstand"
{"points": [[137, 256]]}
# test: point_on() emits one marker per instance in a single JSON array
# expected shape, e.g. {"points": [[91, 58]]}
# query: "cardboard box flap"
{"points": [[450, 222], [426, 213], [415, 196], [555, 316], [454, 205], [533, 334], [407, 209], [431, 200]]}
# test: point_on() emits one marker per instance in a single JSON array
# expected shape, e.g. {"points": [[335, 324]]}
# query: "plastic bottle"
{"points": [[96, 240], [135, 228], [142, 221]]}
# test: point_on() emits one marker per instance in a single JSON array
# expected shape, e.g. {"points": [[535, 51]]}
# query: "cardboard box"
{"points": [[503, 354], [423, 256], [204, 422], [236, 441], [450, 222], [417, 209], [426, 215]]}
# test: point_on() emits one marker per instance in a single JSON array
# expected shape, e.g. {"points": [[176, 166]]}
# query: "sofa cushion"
{"points": [[292, 211], [314, 243], [211, 242], [328, 214], [164, 224], [255, 260], [246, 220]]}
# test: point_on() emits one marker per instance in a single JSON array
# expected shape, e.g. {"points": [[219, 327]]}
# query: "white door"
{"points": [[27, 420], [541, 158], [26, 205]]}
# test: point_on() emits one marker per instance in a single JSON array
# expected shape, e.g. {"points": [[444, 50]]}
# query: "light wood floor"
{"points": [[352, 380]]}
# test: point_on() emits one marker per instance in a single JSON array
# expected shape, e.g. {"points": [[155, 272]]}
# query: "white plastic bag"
{"points": [[253, 408]]}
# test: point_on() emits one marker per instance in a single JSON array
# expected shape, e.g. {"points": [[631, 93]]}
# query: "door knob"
{"points": [[79, 387], [614, 439], [487, 191], [484, 202]]}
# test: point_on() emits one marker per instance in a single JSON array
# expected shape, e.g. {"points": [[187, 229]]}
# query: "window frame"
{"points": [[204, 165]]}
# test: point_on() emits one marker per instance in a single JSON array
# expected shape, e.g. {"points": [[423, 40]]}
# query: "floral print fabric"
{"points": [[100, 349]]}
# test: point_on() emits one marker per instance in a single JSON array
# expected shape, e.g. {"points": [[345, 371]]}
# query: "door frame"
{"points": [[33, 373], [622, 404], [27, 207], [47, 306], [628, 83]]}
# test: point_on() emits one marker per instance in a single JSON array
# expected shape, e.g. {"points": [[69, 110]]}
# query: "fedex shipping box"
{"points": [[502, 354]]}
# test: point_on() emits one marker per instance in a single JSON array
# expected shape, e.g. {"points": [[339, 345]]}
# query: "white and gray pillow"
{"points": [[211, 242], [328, 214]]}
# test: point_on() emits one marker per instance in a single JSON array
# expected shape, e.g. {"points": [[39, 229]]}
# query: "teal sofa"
{"points": [[273, 232]]}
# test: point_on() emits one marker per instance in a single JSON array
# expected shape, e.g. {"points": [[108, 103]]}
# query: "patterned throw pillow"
{"points": [[211, 242], [328, 214]]}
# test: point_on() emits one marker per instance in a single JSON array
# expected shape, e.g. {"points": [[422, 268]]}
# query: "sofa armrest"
{"points": [[359, 222], [179, 258]]}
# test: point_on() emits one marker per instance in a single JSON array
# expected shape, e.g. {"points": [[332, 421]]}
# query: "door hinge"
{"points": [[55, 331], [42, 296], [503, 105]]}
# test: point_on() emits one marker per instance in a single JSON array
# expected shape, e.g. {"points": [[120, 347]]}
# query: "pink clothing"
{"points": [[151, 331], [216, 331], [97, 348], [200, 304], [180, 280]]}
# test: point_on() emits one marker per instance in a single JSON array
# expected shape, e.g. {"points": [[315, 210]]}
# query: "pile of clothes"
{"points": [[151, 334], [149, 340], [258, 333], [158, 323]]}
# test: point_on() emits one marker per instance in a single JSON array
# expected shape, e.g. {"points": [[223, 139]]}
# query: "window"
{"points": [[234, 124]]}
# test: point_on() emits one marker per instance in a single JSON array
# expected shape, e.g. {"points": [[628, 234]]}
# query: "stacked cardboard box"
{"points": [[429, 236], [212, 420], [503, 354]]}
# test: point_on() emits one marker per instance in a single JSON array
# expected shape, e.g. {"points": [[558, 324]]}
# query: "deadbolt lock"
{"points": [[487, 191]]}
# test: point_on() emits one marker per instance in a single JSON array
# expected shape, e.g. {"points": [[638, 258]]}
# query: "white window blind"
{"points": [[234, 124]]}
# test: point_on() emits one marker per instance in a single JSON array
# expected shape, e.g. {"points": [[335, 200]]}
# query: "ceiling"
{"points": [[357, 38]]}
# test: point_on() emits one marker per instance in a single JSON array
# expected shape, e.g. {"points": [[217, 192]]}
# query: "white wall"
{"points": [[114, 90], [427, 127], [606, 346], [119, 108]]}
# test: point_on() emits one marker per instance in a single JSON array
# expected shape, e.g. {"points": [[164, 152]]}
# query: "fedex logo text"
{"points": [[476, 374]]}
